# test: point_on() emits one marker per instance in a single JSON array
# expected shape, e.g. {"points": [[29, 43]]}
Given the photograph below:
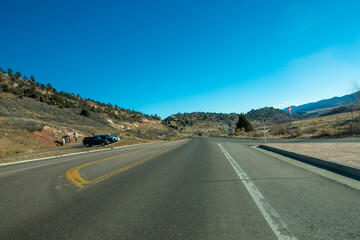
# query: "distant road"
{"points": [[201, 188], [255, 142]]}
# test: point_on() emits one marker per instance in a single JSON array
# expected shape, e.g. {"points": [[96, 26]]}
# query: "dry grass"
{"points": [[348, 153], [27, 125], [338, 125], [15, 142]]}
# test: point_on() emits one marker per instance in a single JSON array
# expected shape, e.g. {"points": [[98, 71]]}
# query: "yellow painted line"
{"points": [[133, 165], [73, 175]]}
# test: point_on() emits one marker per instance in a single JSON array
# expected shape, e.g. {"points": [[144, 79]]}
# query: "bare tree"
{"points": [[355, 89]]}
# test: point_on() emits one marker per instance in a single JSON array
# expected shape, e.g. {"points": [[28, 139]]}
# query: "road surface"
{"points": [[201, 188]]}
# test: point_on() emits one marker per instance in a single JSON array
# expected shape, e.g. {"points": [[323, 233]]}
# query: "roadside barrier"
{"points": [[348, 170]]}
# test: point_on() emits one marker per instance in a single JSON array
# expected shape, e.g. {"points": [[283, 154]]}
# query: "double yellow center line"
{"points": [[73, 175]]}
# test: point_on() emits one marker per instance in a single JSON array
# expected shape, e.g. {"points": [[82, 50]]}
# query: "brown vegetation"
{"points": [[34, 116], [337, 125]]}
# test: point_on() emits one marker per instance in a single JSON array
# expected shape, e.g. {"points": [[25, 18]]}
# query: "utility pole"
{"points": [[290, 119], [264, 134]]}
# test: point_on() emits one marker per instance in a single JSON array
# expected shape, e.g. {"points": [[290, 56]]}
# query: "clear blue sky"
{"points": [[164, 57]]}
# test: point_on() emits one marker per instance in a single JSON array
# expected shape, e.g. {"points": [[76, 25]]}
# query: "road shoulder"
{"points": [[320, 171]]}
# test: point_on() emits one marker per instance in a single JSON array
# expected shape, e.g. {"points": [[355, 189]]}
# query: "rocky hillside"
{"points": [[269, 116], [21, 86], [35, 116], [201, 123], [205, 123]]}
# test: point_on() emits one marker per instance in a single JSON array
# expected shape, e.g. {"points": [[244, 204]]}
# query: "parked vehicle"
{"points": [[109, 137], [89, 141], [116, 138]]}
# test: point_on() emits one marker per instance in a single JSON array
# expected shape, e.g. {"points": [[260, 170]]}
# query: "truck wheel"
{"points": [[87, 145], [103, 144]]}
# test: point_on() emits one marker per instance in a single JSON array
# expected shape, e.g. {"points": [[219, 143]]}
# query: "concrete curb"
{"points": [[338, 167]]}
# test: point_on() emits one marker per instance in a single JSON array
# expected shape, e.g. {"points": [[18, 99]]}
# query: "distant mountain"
{"points": [[318, 108]]}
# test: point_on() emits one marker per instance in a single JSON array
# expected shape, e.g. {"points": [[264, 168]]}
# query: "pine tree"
{"points": [[244, 123]]}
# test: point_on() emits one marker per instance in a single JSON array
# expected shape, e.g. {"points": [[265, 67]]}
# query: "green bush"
{"points": [[85, 112], [244, 123], [6, 88]]}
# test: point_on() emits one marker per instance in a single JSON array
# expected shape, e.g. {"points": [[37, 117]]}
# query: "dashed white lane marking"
{"points": [[278, 227]]}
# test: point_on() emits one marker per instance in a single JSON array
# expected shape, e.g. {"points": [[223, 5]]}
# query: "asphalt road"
{"points": [[247, 141], [202, 188]]}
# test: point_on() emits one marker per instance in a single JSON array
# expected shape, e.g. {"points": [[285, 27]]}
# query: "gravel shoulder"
{"points": [[348, 153]]}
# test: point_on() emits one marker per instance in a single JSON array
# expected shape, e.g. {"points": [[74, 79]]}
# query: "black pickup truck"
{"points": [[89, 141]]}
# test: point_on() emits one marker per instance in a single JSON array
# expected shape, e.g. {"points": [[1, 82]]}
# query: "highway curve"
{"points": [[200, 188]]}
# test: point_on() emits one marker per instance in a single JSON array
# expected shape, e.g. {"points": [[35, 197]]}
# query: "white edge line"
{"points": [[36, 166], [270, 215], [70, 154]]}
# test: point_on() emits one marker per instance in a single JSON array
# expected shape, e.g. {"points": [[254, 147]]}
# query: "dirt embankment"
{"points": [[348, 153]]}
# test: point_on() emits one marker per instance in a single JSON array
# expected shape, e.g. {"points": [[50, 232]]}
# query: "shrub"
{"points": [[279, 130], [32, 92], [6, 88], [85, 112], [57, 99], [328, 132], [353, 128], [69, 104], [296, 132], [244, 123], [309, 130]]}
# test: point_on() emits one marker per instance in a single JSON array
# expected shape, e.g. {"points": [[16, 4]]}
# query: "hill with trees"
{"points": [[202, 123], [269, 116], [22, 86], [35, 116], [206, 123]]}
